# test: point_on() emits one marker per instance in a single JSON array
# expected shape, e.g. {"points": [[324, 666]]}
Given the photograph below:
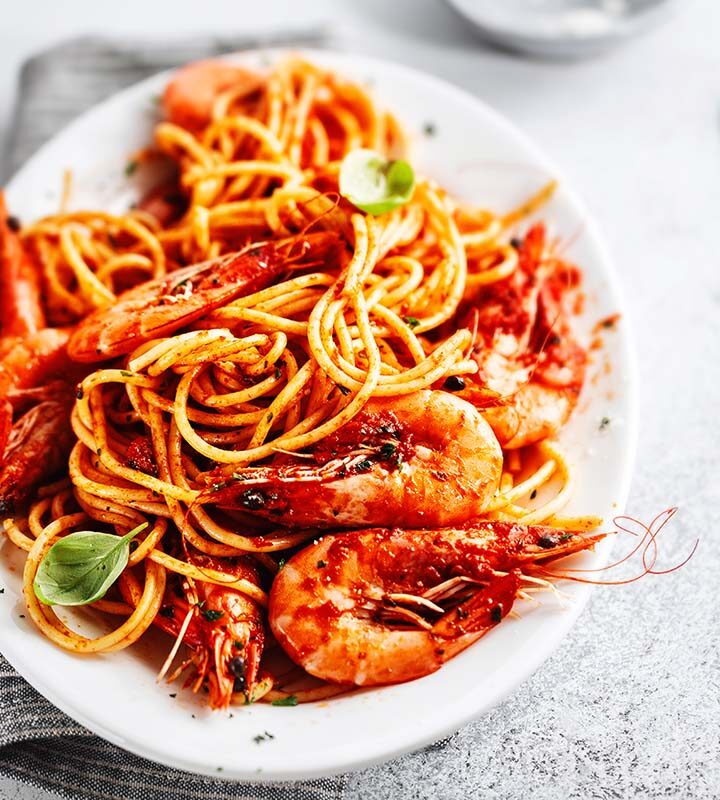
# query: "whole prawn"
{"points": [[162, 306], [188, 98], [222, 627], [426, 458], [530, 366], [383, 606]]}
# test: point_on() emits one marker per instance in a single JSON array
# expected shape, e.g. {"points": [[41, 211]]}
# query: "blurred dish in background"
{"points": [[561, 28]]}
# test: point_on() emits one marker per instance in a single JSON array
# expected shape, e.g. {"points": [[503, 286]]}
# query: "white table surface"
{"points": [[630, 704]]}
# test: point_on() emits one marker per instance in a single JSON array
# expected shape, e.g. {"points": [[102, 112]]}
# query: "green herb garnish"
{"points": [[290, 700], [130, 168], [411, 322], [387, 451], [82, 566], [604, 422], [211, 615], [373, 184]]}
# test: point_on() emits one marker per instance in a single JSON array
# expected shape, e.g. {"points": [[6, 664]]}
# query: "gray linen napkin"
{"points": [[38, 743]]}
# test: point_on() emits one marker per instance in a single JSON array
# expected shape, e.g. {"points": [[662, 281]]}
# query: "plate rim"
{"points": [[421, 736]]}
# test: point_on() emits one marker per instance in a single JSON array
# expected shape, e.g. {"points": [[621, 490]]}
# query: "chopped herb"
{"points": [[496, 614], [387, 451], [262, 737], [126, 374], [2, 591], [270, 417], [130, 168], [363, 466], [321, 564], [79, 394], [219, 769], [238, 645], [22, 616], [604, 422], [167, 611], [216, 487], [278, 373], [429, 129], [290, 700], [281, 563], [211, 615], [399, 461], [411, 322], [565, 537], [533, 494], [173, 695], [343, 389], [99, 451]]}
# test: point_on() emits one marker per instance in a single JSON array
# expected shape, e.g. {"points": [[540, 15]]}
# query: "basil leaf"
{"points": [[80, 568], [374, 184]]}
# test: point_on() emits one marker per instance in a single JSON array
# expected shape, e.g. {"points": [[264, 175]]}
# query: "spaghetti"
{"points": [[254, 388]]}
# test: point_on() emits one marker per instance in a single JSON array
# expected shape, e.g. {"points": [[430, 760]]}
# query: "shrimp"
{"points": [[162, 306], [19, 282], [35, 392], [188, 98], [426, 458], [37, 447], [530, 366], [383, 606], [225, 633]]}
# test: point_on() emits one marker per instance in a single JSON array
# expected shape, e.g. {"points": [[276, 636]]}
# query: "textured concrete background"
{"points": [[629, 706]]}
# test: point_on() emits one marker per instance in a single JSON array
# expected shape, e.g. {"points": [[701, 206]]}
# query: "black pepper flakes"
{"points": [[454, 383], [547, 542], [253, 499]]}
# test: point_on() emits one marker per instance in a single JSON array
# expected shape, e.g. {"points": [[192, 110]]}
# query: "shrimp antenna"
{"points": [[647, 546]]}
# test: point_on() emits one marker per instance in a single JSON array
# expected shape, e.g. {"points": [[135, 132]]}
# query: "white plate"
{"points": [[482, 157]]}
